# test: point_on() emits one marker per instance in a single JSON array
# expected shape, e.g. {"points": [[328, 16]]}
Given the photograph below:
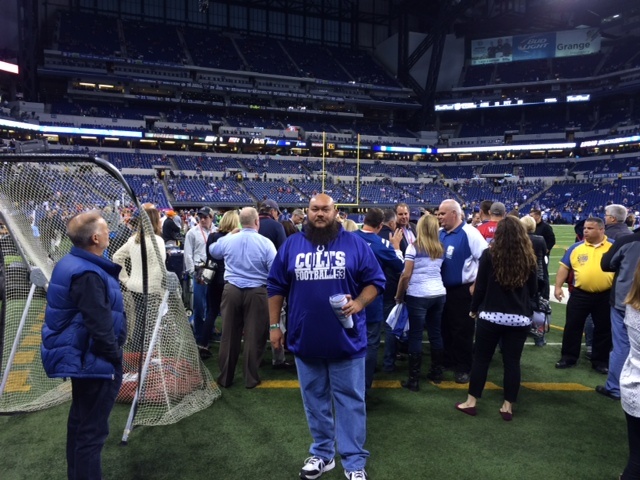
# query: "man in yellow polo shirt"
{"points": [[590, 295]]}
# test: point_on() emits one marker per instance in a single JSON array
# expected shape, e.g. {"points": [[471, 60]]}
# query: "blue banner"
{"points": [[530, 47]]}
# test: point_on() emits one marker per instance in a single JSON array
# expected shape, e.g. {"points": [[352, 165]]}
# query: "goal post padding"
{"points": [[38, 194]]}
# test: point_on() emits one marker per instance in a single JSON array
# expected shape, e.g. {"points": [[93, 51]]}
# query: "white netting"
{"points": [[37, 196]]}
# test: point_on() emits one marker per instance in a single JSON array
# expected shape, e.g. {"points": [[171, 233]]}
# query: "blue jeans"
{"points": [[335, 385], [199, 310], [588, 331], [425, 312], [620, 351], [373, 343]]}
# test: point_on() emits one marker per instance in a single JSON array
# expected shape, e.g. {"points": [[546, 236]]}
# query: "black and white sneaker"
{"points": [[314, 467], [356, 475]]}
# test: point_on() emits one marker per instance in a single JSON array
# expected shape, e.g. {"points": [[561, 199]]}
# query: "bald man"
{"points": [[247, 259], [84, 330], [463, 247], [322, 261]]}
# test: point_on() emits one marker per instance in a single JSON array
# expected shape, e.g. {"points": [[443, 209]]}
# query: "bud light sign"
{"points": [[529, 47]]}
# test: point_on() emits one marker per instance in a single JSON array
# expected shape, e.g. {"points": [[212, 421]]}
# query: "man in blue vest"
{"points": [[84, 330]]}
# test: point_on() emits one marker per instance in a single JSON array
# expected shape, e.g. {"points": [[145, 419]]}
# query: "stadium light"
{"points": [[9, 67]]}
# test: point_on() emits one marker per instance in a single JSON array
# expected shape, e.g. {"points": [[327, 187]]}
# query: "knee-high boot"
{"points": [[415, 363], [436, 371]]}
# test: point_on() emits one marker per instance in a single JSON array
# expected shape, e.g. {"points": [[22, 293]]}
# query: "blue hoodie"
{"points": [[307, 276], [389, 261]]}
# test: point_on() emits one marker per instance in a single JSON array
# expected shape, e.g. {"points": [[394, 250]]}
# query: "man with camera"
{"points": [[195, 257]]}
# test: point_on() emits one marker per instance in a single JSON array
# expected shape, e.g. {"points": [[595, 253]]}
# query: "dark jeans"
{"points": [[390, 339], [88, 424], [512, 339], [373, 343], [458, 328], [214, 299], [579, 306], [199, 310], [632, 470], [425, 312]]}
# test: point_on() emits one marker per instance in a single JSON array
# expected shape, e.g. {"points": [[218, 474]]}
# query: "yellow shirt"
{"points": [[584, 259]]}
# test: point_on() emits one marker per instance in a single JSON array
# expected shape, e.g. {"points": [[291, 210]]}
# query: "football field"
{"points": [[561, 428]]}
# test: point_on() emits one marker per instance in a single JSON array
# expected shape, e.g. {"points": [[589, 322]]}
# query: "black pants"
{"points": [[458, 328], [88, 425], [488, 335], [632, 471], [579, 306]]}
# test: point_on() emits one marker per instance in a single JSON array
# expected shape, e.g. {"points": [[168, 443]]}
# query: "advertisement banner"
{"points": [[578, 42], [532, 47], [491, 50], [565, 43]]}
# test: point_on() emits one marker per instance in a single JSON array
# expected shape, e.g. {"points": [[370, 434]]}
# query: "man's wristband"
{"points": [[274, 326]]}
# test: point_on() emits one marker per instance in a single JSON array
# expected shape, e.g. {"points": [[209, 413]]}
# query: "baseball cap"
{"points": [[498, 209], [268, 204], [415, 214], [170, 213], [205, 212]]}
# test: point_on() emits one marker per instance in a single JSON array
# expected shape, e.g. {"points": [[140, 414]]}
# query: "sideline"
{"points": [[395, 384]]}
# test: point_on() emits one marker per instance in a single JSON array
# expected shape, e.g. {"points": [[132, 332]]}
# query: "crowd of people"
{"points": [[320, 291]]}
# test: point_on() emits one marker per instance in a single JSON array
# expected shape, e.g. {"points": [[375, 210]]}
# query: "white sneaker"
{"points": [[356, 475], [314, 467]]}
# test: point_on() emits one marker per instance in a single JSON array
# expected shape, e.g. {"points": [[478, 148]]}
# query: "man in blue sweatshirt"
{"points": [[309, 268], [391, 259]]}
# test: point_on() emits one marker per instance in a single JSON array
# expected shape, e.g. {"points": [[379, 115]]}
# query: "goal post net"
{"points": [[164, 378]]}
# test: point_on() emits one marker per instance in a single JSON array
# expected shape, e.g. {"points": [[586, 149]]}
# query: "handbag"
{"points": [[541, 318]]}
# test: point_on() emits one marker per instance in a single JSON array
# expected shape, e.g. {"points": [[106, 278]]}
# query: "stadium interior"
{"points": [[202, 110], [532, 103]]}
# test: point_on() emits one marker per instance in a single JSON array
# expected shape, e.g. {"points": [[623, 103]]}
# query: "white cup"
{"points": [[337, 302]]}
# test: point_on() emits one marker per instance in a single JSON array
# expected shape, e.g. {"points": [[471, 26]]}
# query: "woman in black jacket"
{"points": [[229, 222], [502, 301]]}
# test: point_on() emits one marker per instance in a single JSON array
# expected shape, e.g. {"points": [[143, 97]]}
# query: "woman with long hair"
{"points": [[129, 256], [630, 379], [502, 303], [131, 253], [229, 222], [421, 289]]}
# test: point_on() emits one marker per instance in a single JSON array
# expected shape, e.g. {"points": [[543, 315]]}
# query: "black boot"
{"points": [[415, 363], [436, 372]]}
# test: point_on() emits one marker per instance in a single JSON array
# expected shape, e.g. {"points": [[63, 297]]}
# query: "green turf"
{"points": [[262, 433]]}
